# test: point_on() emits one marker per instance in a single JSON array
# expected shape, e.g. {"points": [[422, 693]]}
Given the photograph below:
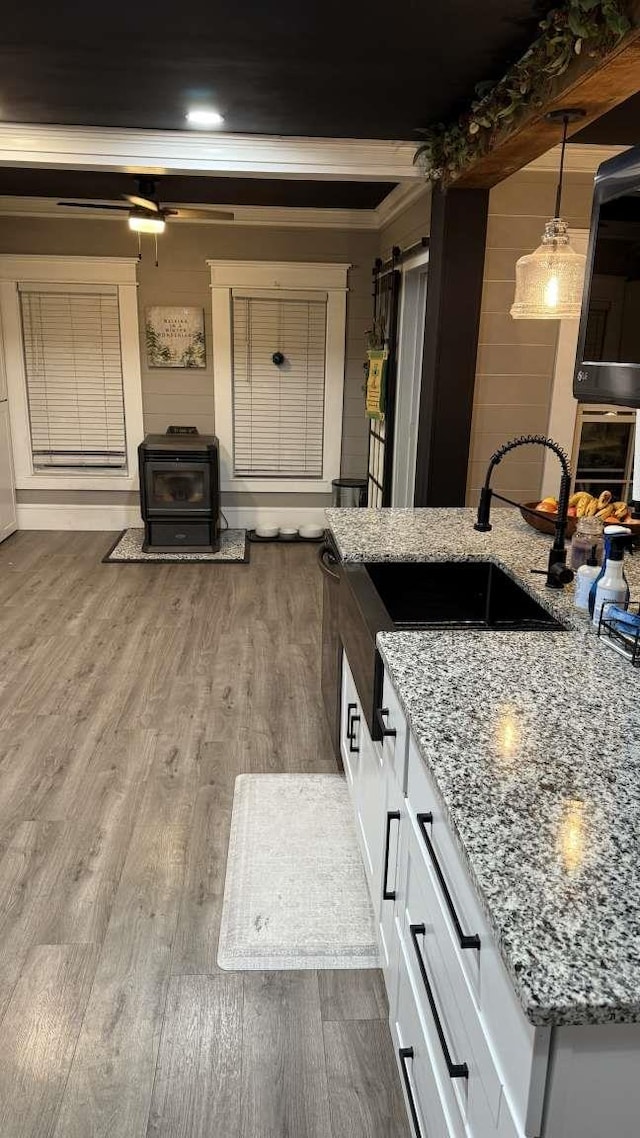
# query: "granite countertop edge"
{"points": [[543, 1003]]}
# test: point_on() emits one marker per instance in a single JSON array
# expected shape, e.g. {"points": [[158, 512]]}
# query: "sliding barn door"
{"points": [[380, 469]]}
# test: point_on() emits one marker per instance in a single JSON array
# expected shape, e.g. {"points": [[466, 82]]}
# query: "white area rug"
{"points": [[295, 893]]}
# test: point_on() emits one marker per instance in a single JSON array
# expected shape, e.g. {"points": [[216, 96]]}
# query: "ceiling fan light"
{"points": [[203, 116], [146, 223], [550, 280]]}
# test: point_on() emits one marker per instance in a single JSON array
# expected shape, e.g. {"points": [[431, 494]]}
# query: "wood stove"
{"points": [[180, 492]]}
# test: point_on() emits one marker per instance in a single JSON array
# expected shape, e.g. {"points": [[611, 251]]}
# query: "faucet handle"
{"points": [[559, 574]]}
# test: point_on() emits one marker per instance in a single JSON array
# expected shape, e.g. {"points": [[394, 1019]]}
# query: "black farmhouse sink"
{"points": [[455, 594], [382, 596]]}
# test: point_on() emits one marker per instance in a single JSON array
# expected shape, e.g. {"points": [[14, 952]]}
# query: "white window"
{"points": [[72, 355], [73, 367], [278, 343]]}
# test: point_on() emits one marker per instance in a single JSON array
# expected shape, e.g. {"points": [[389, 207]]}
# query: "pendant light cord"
{"points": [[565, 123]]}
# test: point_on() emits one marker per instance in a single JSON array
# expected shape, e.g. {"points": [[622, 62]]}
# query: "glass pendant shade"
{"points": [[549, 281]]}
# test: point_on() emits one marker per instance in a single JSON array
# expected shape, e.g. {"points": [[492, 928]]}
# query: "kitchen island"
{"points": [[529, 743]]}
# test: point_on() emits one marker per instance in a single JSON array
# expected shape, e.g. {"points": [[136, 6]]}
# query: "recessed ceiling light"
{"points": [[202, 116]]}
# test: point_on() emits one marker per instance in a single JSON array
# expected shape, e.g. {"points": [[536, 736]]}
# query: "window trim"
{"points": [[272, 278], [56, 271]]}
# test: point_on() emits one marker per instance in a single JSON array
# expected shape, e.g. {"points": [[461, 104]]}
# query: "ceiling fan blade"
{"points": [[200, 214], [94, 205], [142, 203]]}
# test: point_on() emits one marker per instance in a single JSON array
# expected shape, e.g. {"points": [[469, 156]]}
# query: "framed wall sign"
{"points": [[175, 337]]}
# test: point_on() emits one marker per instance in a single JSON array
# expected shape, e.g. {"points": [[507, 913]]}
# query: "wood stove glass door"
{"points": [[178, 487]]}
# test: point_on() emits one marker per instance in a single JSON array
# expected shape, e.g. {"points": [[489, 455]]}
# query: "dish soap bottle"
{"points": [[609, 533], [613, 585], [585, 577]]}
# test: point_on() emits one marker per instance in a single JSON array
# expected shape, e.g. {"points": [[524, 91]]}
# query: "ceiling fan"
{"points": [[144, 212]]}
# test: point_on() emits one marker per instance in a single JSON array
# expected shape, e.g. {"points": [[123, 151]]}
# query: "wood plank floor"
{"points": [[131, 696]]}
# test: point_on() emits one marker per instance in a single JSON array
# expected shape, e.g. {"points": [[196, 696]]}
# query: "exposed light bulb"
{"points": [[203, 116], [551, 292], [145, 224]]}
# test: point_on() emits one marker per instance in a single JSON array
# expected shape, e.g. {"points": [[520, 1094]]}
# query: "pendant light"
{"points": [[549, 281]]}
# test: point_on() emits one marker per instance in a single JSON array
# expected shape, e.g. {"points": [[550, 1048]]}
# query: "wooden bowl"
{"points": [[543, 521], [546, 523]]}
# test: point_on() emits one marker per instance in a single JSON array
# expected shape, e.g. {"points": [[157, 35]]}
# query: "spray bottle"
{"points": [[609, 533], [612, 586]]}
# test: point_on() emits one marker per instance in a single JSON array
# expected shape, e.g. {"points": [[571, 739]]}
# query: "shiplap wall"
{"points": [[516, 358], [176, 395]]}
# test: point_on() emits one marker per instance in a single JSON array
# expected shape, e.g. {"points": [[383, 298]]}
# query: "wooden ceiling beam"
{"points": [[596, 84]]}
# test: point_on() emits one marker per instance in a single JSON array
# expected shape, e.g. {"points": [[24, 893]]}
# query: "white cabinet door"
{"points": [[369, 800], [8, 519], [391, 883]]}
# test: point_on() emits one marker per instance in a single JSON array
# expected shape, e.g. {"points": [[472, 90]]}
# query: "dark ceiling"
{"points": [[360, 69], [620, 127], [200, 189]]}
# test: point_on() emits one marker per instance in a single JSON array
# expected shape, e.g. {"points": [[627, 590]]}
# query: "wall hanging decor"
{"points": [[175, 337], [374, 403]]}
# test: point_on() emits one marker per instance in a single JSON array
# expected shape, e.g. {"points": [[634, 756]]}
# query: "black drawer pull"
{"points": [[388, 894], [385, 732], [352, 737], [406, 1053], [351, 707], [465, 940], [456, 1070]]}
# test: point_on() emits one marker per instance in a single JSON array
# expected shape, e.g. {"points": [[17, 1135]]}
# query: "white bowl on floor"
{"points": [[310, 531], [267, 531], [288, 533]]}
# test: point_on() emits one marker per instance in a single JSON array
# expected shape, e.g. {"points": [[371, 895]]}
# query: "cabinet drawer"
{"points": [[394, 741], [506, 1049], [350, 724], [423, 1099], [446, 1000]]}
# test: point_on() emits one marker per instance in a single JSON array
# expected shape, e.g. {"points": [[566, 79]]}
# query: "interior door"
{"points": [[8, 517], [381, 432]]}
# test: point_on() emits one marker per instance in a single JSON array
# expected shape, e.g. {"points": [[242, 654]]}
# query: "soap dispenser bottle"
{"points": [[609, 533], [613, 586]]}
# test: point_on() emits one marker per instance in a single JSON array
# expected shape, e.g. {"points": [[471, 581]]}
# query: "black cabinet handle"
{"points": [[465, 940], [353, 750], [385, 732], [406, 1053], [456, 1070], [351, 707], [388, 894]]}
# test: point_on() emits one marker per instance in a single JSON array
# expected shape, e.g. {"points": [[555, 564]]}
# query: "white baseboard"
{"points": [[32, 515]]}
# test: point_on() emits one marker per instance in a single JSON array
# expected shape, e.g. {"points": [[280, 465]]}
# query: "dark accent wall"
{"points": [[456, 262]]}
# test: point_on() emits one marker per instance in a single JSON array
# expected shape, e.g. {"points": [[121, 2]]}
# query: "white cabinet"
{"points": [[8, 518], [362, 759], [471, 1064]]}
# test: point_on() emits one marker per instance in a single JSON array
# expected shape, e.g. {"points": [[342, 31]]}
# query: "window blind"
{"points": [[278, 411], [73, 367]]}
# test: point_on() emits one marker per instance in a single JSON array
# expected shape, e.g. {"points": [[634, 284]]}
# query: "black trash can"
{"points": [[349, 492]]}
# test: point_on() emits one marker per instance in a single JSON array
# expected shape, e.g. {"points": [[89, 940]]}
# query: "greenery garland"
{"points": [[592, 26]]}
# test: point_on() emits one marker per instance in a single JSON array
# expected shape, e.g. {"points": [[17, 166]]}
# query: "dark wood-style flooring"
{"points": [[130, 698]]}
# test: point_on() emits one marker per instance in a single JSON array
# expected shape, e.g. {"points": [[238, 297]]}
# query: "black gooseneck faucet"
{"points": [[557, 572]]}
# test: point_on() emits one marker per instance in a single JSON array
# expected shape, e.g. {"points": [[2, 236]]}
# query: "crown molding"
{"points": [[205, 152], [398, 200], [578, 159], [276, 216], [286, 217]]}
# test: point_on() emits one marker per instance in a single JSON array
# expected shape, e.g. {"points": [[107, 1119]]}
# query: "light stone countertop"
{"points": [[533, 742]]}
